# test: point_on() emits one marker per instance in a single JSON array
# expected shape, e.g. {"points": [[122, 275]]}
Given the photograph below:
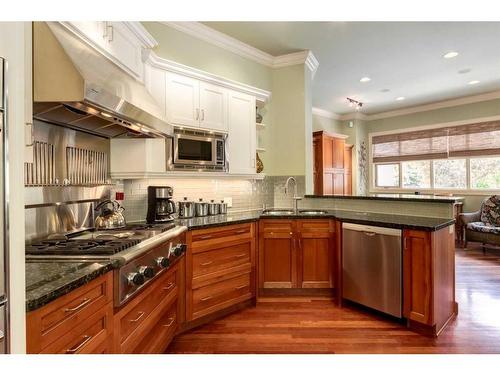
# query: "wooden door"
{"points": [[338, 182], [338, 153], [124, 48], [417, 280], [242, 133], [348, 169], [182, 100], [277, 255], [316, 245], [213, 107]]}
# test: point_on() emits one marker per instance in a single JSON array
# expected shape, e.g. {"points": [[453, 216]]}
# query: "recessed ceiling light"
{"points": [[473, 82], [450, 55], [399, 98], [365, 79], [464, 71]]}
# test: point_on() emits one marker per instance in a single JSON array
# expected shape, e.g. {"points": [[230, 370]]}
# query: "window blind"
{"points": [[476, 139]]}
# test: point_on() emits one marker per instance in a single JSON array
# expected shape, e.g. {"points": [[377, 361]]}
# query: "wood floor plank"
{"points": [[316, 325]]}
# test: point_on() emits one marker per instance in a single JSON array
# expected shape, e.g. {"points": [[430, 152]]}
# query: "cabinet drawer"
{"points": [[276, 228], [219, 295], [157, 340], [210, 237], [49, 323], [91, 336], [221, 259], [138, 314]]}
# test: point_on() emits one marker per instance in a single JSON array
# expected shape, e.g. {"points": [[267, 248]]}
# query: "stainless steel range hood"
{"points": [[76, 87]]}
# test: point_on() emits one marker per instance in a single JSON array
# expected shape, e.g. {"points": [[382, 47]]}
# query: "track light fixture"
{"points": [[354, 103]]}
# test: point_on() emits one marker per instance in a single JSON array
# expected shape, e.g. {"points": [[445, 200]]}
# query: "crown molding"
{"points": [[354, 116], [324, 113], [155, 61], [437, 105], [142, 34], [212, 36]]}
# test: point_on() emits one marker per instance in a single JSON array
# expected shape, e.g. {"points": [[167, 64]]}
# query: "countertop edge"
{"points": [[449, 200], [37, 303]]}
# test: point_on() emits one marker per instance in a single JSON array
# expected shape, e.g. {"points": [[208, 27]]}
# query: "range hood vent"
{"points": [[76, 87]]}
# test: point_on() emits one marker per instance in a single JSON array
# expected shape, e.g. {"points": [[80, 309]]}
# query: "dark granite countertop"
{"points": [[47, 281], [367, 218], [394, 197], [219, 220]]}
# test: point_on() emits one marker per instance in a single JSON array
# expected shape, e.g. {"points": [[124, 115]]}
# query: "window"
{"points": [[417, 174], [387, 175], [485, 173], [450, 174], [457, 157]]}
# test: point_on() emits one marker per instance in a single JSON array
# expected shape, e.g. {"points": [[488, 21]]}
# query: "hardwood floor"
{"points": [[297, 325]]}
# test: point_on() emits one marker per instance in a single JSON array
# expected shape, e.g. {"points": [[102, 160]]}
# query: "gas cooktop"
{"points": [[96, 246]]}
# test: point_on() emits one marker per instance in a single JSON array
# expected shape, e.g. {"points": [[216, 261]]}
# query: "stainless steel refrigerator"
{"points": [[4, 316]]}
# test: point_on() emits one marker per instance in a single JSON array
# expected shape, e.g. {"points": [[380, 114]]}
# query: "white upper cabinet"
{"points": [[213, 107], [182, 100], [122, 45], [195, 104], [242, 137], [115, 41]]}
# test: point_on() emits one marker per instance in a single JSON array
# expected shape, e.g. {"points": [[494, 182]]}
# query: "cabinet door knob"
{"points": [[202, 115]]}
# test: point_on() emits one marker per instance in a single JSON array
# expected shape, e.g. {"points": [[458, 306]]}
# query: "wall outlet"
{"points": [[229, 201]]}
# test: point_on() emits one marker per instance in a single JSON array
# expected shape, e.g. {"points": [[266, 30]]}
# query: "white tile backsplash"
{"points": [[254, 194]]}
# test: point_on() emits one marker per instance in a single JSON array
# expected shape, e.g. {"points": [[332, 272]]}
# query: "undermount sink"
{"points": [[278, 212], [312, 212]]}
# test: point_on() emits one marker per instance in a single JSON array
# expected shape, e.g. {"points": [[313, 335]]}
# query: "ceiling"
{"points": [[405, 58]]}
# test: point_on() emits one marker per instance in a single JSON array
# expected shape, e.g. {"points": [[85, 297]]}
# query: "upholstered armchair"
{"points": [[483, 225]]}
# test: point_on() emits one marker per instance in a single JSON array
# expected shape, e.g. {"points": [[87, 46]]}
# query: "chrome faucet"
{"points": [[296, 198]]}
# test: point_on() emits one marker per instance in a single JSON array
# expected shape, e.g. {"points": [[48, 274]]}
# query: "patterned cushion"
{"points": [[490, 211], [479, 226]]}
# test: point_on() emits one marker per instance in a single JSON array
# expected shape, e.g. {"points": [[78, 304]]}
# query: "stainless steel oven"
{"points": [[197, 150]]}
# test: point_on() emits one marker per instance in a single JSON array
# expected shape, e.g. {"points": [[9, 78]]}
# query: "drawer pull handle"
{"points": [[86, 339], [141, 314], [240, 255], [206, 298], [205, 237], [170, 322], [169, 286], [85, 302], [206, 263], [241, 287]]}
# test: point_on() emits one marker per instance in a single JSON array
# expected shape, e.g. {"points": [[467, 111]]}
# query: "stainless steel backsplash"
{"points": [[53, 202]]}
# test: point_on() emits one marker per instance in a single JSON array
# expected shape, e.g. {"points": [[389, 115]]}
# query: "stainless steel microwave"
{"points": [[197, 150]]}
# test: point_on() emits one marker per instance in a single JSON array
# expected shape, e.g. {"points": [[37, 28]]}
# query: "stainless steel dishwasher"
{"points": [[372, 267]]}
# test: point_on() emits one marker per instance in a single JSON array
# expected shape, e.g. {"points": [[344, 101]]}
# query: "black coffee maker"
{"points": [[161, 207]]}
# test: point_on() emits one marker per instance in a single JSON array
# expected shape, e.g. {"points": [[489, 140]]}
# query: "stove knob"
{"points": [[179, 249], [147, 271], [163, 262], [135, 278]]}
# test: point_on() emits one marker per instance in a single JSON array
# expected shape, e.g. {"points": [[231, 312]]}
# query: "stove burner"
{"points": [[155, 227], [98, 246]]}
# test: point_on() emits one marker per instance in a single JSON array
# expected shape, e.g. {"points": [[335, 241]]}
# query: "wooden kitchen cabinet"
{"points": [[332, 164], [148, 322], [277, 254], [296, 253], [79, 322], [429, 279], [220, 270]]}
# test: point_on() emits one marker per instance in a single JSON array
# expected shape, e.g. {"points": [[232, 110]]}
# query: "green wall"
{"points": [[286, 140], [185, 49], [437, 116]]}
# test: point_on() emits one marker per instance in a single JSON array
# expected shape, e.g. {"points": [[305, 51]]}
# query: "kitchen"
{"points": [[164, 199]]}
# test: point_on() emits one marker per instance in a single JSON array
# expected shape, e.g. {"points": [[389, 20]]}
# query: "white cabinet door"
{"points": [[93, 31], [154, 80], [241, 138], [213, 107], [182, 100], [124, 48]]}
